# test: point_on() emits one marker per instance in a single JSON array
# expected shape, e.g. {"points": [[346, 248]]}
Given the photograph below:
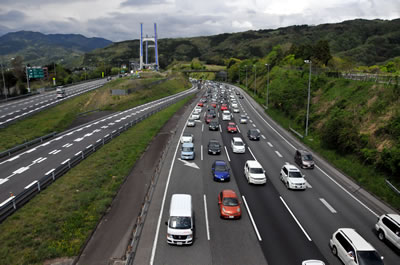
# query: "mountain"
{"points": [[40, 49], [366, 42]]}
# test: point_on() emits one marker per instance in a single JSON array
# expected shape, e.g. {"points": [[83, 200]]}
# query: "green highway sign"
{"points": [[35, 72]]}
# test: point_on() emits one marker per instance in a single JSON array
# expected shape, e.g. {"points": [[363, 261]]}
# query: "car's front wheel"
{"points": [[334, 251], [381, 235]]}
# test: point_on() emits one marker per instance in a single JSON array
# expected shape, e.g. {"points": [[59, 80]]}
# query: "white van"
{"points": [[254, 172], [180, 224], [226, 115]]}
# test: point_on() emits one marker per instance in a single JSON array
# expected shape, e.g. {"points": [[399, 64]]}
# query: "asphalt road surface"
{"points": [[19, 109], [278, 226]]}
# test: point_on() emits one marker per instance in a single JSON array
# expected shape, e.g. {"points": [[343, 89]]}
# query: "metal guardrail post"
{"points": [[392, 187]]}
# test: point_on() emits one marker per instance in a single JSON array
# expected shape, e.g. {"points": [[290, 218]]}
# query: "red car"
{"points": [[229, 205], [214, 105], [224, 107], [208, 118], [232, 127], [200, 104]]}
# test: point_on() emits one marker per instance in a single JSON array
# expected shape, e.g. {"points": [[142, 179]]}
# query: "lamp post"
{"points": [[4, 81], [239, 75], [255, 79], [308, 98], [246, 76], [266, 101]]}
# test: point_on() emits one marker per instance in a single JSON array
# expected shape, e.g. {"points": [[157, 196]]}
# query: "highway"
{"points": [[23, 169], [18, 109], [278, 226]]}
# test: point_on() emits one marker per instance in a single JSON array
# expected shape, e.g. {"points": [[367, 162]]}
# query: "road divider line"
{"points": [[294, 217], [50, 171], [278, 154], [226, 150], [66, 161], [220, 129], [327, 205], [30, 185], [308, 185], [252, 153], [251, 218], [270, 145], [262, 135], [201, 153], [206, 216], [202, 127], [238, 128]]}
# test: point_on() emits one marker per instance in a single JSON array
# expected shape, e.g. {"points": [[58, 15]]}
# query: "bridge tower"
{"points": [[146, 40]]}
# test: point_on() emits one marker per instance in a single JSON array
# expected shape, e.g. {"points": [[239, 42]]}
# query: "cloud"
{"points": [[119, 20]]}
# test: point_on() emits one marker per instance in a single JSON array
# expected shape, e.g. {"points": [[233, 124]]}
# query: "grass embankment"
{"points": [[57, 222], [61, 116], [352, 124]]}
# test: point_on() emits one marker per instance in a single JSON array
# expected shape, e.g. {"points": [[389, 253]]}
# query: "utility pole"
{"points": [[27, 78], [255, 79], [239, 75], [308, 98], [267, 84], [4, 81], [246, 76]]}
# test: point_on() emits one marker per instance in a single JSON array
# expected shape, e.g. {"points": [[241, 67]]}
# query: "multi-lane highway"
{"points": [[24, 169], [278, 226], [19, 109]]}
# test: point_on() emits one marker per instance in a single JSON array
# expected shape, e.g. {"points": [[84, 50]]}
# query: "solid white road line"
{"points": [[220, 129], [206, 216], [238, 128], [327, 205], [308, 185], [66, 161], [278, 154], [153, 250], [50, 171], [226, 151], [201, 152], [3, 181], [202, 127], [251, 218], [270, 145], [294, 217], [30, 185], [252, 153], [6, 201]]}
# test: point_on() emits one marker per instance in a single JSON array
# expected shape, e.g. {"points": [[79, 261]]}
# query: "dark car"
{"points": [[220, 171], [253, 134], [304, 159], [213, 126], [214, 147], [241, 96], [212, 112]]}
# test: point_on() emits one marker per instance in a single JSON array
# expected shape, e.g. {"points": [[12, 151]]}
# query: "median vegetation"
{"points": [[62, 116], [57, 222]]}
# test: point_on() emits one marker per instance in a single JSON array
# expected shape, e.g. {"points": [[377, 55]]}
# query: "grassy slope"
{"points": [[57, 222], [371, 106], [61, 116]]}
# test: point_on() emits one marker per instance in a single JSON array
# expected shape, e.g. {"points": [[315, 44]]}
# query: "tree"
{"points": [[321, 52], [18, 68]]}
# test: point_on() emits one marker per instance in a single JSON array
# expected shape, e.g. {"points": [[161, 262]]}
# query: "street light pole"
{"points": [[246, 76], [267, 84], [4, 81], [308, 98], [255, 79], [27, 78], [239, 75]]}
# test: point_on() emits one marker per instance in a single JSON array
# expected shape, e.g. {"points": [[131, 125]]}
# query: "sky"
{"points": [[119, 20]]}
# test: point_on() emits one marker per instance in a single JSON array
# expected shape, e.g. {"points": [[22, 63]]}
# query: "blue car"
{"points": [[220, 171]]}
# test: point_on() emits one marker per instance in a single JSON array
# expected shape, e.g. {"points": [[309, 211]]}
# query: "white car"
{"points": [[191, 123], [254, 172], [226, 115], [187, 138], [195, 116], [238, 145], [312, 262], [197, 110], [388, 228], [236, 110], [292, 177], [234, 105], [243, 119]]}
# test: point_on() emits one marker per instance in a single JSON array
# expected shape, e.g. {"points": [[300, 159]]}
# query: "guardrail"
{"points": [[392, 187], [26, 145], [13, 203]]}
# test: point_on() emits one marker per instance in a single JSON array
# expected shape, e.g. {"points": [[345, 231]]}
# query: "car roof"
{"points": [[187, 134], [187, 145], [229, 193], [291, 168], [358, 241], [243, 116], [182, 205], [236, 139], [253, 163], [231, 123], [220, 162], [394, 217], [304, 152], [254, 130]]}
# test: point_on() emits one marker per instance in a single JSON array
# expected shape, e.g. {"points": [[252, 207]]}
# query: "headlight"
{"points": [[189, 237], [238, 210], [169, 235], [223, 209]]}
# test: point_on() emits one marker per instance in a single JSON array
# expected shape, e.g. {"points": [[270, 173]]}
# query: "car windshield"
{"points": [[256, 170], [369, 258], [180, 222], [187, 135], [187, 149], [307, 158], [230, 201], [238, 143], [295, 174], [220, 168], [214, 144]]}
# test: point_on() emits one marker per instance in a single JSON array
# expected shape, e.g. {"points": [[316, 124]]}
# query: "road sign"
{"points": [[35, 72]]}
